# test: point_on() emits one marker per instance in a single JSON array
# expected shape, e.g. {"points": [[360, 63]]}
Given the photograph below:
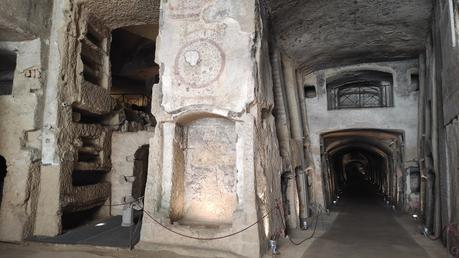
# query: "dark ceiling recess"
{"points": [[310, 91], [134, 70], [320, 34]]}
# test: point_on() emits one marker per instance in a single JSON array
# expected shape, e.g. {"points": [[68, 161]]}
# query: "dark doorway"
{"points": [[134, 71], [140, 171], [372, 155], [7, 68], [3, 170]]}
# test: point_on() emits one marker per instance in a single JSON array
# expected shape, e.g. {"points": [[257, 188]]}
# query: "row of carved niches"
{"points": [[94, 53]]}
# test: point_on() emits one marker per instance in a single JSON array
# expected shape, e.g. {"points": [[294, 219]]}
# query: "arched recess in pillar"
{"points": [[375, 155]]}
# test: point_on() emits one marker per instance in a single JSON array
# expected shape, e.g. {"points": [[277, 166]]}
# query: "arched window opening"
{"points": [[360, 89]]}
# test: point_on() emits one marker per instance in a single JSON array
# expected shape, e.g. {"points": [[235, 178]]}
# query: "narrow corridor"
{"points": [[228, 128], [365, 228]]}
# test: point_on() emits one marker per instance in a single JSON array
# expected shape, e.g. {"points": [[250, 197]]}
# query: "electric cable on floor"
{"points": [[210, 238], [306, 239], [309, 237]]}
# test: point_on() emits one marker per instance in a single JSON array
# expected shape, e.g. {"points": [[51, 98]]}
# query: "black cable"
{"points": [[304, 240], [309, 237]]}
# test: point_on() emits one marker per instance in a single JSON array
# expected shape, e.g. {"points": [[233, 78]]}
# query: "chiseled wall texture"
{"points": [[402, 116], [63, 138], [214, 146], [24, 19]]}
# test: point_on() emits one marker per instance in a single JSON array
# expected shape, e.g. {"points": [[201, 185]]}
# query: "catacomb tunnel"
{"points": [[229, 128], [351, 157]]}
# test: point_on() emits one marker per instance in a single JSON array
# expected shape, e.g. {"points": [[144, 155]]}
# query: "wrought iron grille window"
{"points": [[360, 92]]}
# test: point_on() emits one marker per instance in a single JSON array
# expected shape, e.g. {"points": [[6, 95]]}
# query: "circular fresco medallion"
{"points": [[199, 63]]}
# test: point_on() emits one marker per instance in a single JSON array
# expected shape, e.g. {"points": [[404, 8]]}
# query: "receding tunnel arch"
{"points": [[372, 155]]}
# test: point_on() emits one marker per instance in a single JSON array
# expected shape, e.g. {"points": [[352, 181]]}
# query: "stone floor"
{"points": [[360, 226], [40, 250], [106, 232], [365, 228]]}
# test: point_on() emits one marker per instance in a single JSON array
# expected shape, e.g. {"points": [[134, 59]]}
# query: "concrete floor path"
{"points": [[365, 228]]}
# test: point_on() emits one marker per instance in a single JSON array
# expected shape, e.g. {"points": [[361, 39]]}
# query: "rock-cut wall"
{"points": [[214, 163]]}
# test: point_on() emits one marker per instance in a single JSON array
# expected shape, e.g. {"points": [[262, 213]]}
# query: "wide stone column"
{"points": [[202, 179]]}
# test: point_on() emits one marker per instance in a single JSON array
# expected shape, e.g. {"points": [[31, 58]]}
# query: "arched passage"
{"points": [[353, 158]]}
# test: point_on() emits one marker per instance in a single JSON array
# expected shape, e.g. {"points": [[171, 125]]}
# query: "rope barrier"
{"points": [[125, 203], [210, 238], [277, 207]]}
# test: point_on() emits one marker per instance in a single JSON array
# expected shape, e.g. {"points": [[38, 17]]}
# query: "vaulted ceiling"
{"points": [[326, 33]]}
